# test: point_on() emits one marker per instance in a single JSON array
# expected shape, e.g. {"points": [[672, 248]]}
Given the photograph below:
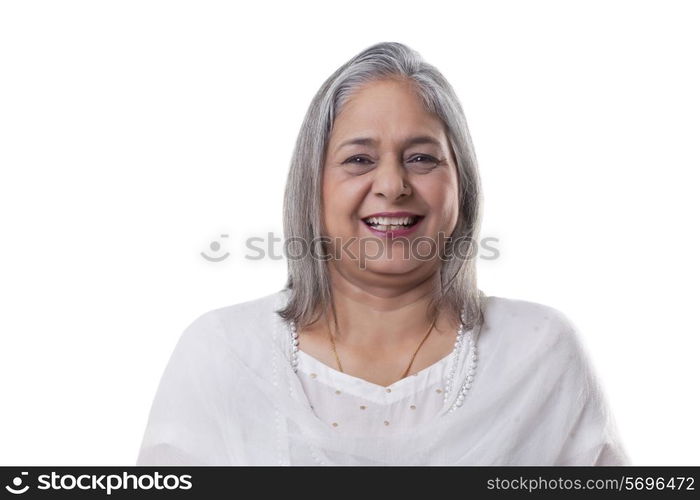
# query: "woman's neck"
{"points": [[380, 317]]}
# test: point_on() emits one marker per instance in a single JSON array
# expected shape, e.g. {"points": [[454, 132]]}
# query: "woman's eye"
{"points": [[357, 160], [424, 163], [423, 159], [420, 162]]}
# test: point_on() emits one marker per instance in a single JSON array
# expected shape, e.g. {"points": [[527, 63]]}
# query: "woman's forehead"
{"points": [[385, 111]]}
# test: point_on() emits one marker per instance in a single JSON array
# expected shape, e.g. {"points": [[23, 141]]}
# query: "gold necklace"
{"points": [[405, 373]]}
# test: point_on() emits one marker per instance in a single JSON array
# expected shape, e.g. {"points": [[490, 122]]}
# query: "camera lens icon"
{"points": [[215, 246], [16, 483]]}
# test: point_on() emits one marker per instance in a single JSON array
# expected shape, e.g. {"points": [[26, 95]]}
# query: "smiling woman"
{"points": [[381, 349]]}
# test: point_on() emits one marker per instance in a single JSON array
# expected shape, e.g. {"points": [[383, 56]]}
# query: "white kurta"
{"points": [[229, 395], [357, 407]]}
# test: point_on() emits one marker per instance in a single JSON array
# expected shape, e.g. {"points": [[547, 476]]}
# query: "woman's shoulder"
{"points": [[540, 339], [528, 322], [499, 309], [255, 315], [537, 355], [255, 312]]}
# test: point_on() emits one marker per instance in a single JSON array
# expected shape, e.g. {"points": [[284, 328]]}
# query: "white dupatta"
{"points": [[229, 396]]}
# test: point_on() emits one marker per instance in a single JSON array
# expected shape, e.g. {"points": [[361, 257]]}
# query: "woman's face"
{"points": [[387, 155]]}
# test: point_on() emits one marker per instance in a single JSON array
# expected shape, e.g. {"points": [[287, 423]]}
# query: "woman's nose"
{"points": [[390, 180]]}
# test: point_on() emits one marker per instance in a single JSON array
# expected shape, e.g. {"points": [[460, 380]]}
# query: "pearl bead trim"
{"points": [[295, 345], [472, 359]]}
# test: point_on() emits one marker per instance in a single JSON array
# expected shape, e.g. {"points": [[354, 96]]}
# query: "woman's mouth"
{"points": [[392, 226]]}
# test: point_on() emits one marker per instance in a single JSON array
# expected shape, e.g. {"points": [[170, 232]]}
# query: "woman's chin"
{"points": [[390, 266]]}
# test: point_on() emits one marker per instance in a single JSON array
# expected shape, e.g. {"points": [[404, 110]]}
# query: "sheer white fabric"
{"points": [[230, 396], [358, 407]]}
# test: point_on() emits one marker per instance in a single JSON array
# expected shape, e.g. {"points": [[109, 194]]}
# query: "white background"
{"points": [[133, 134]]}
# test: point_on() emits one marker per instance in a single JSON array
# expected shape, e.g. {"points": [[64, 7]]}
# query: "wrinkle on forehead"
{"points": [[410, 118]]}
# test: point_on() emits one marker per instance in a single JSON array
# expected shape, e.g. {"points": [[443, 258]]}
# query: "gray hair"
{"points": [[308, 281]]}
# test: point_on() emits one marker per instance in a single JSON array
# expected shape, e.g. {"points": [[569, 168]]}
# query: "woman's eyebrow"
{"points": [[422, 139], [412, 141], [361, 141]]}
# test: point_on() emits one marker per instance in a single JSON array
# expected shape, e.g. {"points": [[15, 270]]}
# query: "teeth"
{"points": [[381, 227], [391, 221]]}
